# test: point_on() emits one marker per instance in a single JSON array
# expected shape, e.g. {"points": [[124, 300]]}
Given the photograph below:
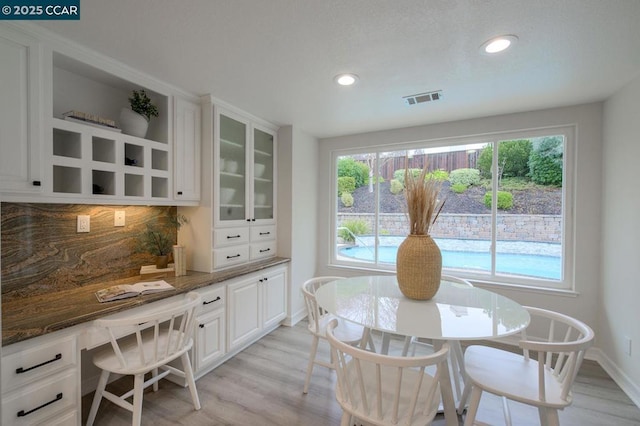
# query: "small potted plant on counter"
{"points": [[135, 120], [158, 239]]}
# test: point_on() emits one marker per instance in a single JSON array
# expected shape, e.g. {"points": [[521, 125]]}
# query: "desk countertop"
{"points": [[27, 317]]}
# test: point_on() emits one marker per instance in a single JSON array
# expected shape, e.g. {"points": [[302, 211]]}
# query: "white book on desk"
{"points": [[124, 291]]}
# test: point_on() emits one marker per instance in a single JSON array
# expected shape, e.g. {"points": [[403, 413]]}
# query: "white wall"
{"points": [[587, 118], [620, 291], [297, 210]]}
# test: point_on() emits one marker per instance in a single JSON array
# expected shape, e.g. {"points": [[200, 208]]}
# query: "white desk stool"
{"points": [[318, 318], [545, 385], [388, 390], [159, 338]]}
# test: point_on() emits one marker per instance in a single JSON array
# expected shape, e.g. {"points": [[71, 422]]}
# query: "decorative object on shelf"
{"points": [[179, 260], [158, 239], [231, 166], [130, 161], [419, 261], [259, 169], [90, 120], [135, 121], [226, 195]]}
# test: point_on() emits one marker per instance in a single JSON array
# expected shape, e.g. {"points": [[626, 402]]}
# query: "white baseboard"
{"points": [[626, 384], [296, 317]]}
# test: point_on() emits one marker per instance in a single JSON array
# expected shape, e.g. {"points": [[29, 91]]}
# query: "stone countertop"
{"points": [[27, 317]]}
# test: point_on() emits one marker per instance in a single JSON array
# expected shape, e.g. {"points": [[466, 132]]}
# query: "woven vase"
{"points": [[419, 267]]}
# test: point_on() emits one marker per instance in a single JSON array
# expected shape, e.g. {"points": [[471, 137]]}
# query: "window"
{"points": [[505, 217]]}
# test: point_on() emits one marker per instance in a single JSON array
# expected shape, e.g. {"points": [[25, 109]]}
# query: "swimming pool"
{"points": [[531, 265]]}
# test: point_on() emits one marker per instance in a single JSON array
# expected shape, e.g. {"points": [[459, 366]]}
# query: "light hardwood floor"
{"points": [[263, 386]]}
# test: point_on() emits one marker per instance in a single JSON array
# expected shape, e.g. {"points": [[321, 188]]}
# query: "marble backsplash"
{"points": [[41, 251]]}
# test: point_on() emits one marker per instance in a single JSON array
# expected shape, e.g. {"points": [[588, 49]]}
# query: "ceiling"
{"points": [[276, 59]]}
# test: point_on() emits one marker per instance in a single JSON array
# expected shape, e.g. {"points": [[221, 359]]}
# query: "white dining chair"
{"points": [[388, 390], [318, 318], [541, 377], [151, 342]]}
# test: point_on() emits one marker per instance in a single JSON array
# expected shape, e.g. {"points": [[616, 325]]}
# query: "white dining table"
{"points": [[456, 312]]}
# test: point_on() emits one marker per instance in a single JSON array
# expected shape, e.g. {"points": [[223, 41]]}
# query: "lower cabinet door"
{"points": [[275, 298], [210, 339], [245, 311]]}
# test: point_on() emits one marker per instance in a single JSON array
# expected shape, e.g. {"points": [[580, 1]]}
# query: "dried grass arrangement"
{"points": [[423, 205]]}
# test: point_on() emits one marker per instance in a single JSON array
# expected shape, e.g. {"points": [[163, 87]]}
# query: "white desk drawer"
{"points": [[262, 250], [37, 360], [212, 299], [263, 233], [39, 401], [230, 256], [230, 236], [70, 418]]}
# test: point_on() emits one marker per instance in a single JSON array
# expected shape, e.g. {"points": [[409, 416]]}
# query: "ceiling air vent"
{"points": [[423, 97]]}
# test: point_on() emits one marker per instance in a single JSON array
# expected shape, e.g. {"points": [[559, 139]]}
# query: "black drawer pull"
{"points": [[265, 233], [265, 250], [201, 325], [233, 257], [23, 413], [179, 192], [214, 300], [36, 183], [232, 236], [21, 370]]}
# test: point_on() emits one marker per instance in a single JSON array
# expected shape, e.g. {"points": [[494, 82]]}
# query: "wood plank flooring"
{"points": [[263, 386]]}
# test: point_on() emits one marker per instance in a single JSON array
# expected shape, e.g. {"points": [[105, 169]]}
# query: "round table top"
{"points": [[457, 311]]}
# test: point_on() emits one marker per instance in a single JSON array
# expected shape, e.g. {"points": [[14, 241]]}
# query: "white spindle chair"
{"points": [[318, 319], [387, 390], [545, 385], [152, 341]]}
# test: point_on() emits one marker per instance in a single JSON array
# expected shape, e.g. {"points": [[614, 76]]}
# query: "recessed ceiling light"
{"points": [[498, 44], [345, 79]]}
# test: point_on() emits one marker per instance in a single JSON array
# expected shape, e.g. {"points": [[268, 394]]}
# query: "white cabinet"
{"points": [[187, 140], [245, 164], [41, 381], [256, 304], [20, 130], [238, 198], [210, 342]]}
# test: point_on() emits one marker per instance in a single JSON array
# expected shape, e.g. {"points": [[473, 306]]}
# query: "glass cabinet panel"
{"points": [[262, 175], [233, 173]]}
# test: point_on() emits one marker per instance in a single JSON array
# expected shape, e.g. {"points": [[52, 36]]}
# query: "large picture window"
{"points": [[505, 216]]}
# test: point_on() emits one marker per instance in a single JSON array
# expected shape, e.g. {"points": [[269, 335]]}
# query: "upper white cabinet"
{"points": [[99, 163], [238, 191], [244, 181], [49, 152], [20, 102], [187, 141]]}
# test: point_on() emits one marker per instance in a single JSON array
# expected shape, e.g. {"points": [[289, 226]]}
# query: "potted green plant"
{"points": [[135, 120], [158, 239]]}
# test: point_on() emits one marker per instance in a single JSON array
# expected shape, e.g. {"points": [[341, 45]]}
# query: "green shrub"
{"points": [[347, 166], [513, 158], [505, 200], [545, 161], [396, 186], [459, 188], [347, 199], [439, 175], [353, 227], [464, 177], [346, 184]]}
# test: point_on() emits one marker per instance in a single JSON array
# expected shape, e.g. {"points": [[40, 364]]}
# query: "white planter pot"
{"points": [[133, 123]]}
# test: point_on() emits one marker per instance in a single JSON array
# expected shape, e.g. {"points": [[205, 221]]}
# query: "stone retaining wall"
{"points": [[540, 228]]}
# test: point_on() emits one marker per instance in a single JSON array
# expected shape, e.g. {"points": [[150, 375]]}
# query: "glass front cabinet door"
{"points": [[263, 175], [245, 172]]}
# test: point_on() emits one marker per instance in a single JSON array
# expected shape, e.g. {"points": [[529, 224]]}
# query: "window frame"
{"points": [[565, 284]]}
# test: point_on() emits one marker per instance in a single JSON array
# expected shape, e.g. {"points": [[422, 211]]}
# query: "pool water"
{"points": [[532, 265]]}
